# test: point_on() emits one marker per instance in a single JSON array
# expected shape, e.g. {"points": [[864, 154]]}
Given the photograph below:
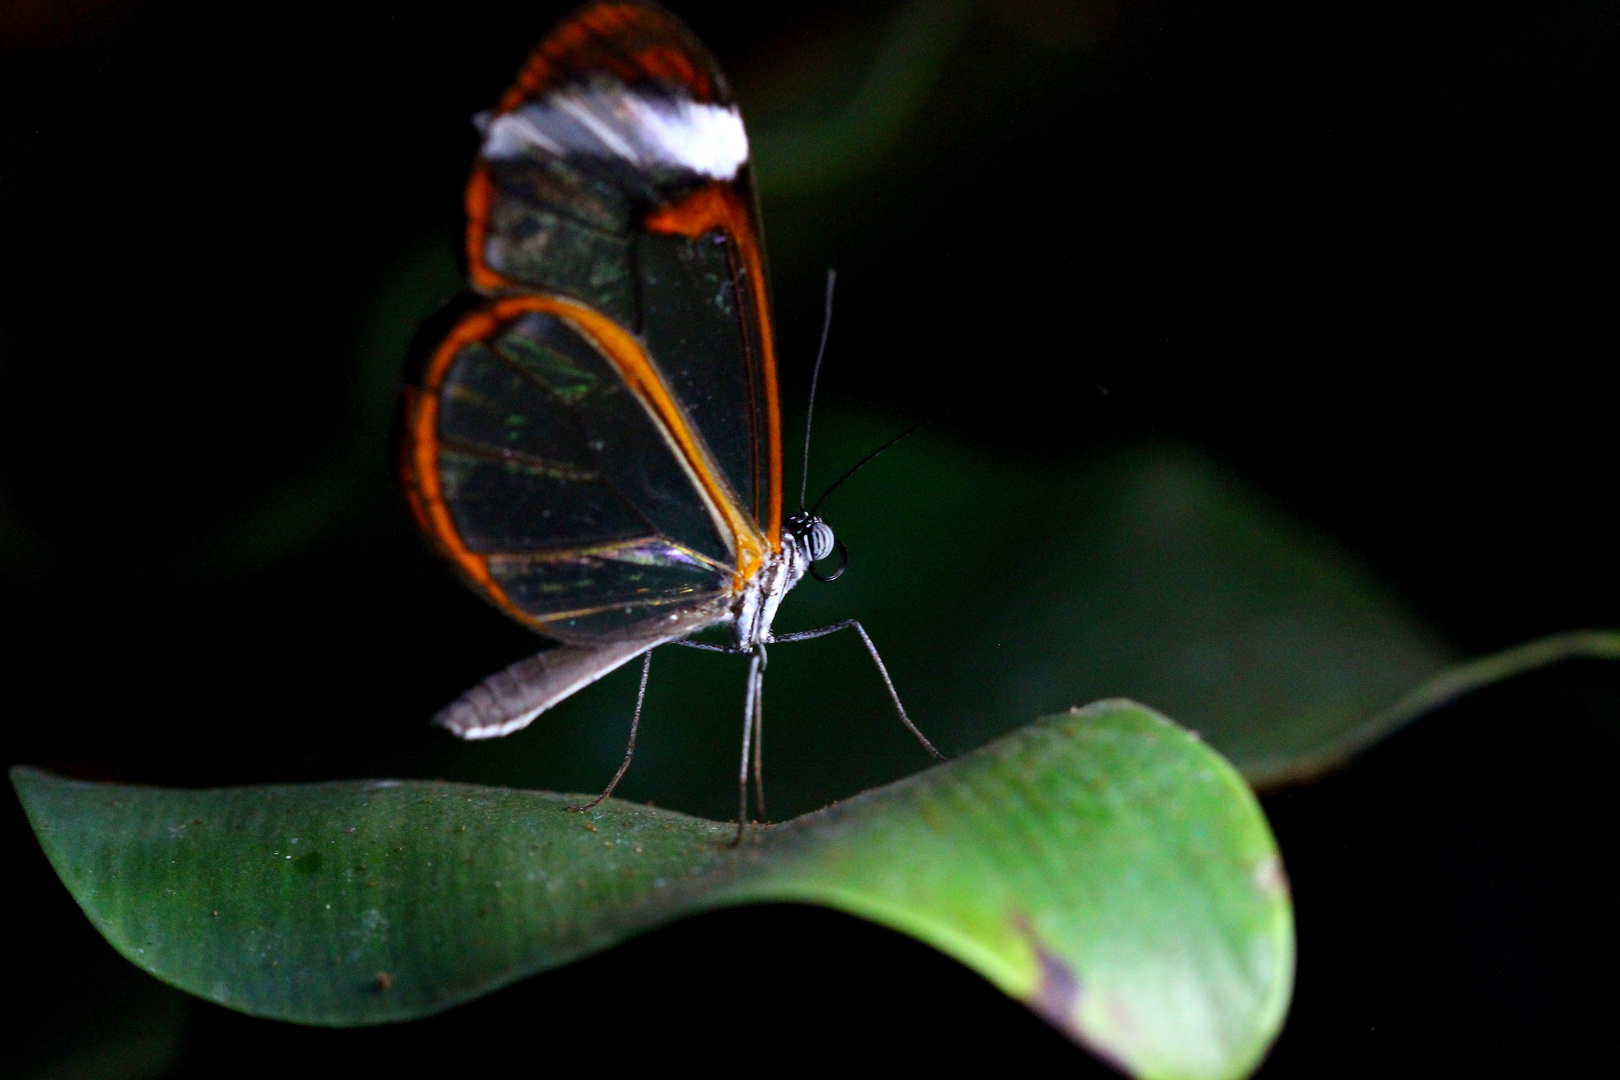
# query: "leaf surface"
{"points": [[1102, 865]]}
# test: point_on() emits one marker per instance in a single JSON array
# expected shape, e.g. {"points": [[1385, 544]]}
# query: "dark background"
{"points": [[1364, 254]]}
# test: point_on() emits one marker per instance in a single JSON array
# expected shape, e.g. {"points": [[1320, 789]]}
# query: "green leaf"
{"points": [[1456, 682], [1103, 866], [1152, 572]]}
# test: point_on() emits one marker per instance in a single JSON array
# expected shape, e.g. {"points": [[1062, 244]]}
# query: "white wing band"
{"points": [[608, 119]]}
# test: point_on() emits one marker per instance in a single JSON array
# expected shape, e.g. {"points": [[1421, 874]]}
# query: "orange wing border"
{"points": [[638, 42], [420, 449], [719, 206]]}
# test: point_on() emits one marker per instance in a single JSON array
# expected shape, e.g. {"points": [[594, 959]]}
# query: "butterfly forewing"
{"points": [[596, 445], [616, 172]]}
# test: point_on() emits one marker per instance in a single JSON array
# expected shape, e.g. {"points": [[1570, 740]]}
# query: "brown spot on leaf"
{"points": [[385, 981], [1056, 996], [1270, 877], [1058, 991]]}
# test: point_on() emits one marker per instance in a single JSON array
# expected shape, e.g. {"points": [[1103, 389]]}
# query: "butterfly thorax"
{"points": [[805, 538]]}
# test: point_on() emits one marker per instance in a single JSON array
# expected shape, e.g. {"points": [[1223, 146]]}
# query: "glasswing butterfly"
{"points": [[593, 440]]}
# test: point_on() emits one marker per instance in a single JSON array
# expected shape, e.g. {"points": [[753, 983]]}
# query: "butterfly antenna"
{"points": [[867, 460], [815, 376]]}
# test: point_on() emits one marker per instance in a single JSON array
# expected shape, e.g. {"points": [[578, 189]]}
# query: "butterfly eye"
{"points": [[820, 541]]}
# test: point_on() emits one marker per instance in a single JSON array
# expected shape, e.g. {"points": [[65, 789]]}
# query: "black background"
{"points": [[1363, 253]]}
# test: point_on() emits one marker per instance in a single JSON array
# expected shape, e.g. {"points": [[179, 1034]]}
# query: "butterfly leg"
{"points": [[756, 690], [759, 736], [630, 750], [756, 667], [894, 696]]}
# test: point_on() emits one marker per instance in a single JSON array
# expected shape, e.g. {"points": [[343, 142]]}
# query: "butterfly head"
{"points": [[815, 541]]}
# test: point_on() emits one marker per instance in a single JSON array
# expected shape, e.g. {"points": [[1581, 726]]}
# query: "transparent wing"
{"points": [[615, 173], [554, 487]]}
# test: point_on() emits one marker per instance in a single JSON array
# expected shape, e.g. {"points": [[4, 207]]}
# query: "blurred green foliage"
{"points": [[1000, 588], [872, 98]]}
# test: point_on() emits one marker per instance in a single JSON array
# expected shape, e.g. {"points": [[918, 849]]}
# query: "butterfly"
{"points": [[593, 438]]}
